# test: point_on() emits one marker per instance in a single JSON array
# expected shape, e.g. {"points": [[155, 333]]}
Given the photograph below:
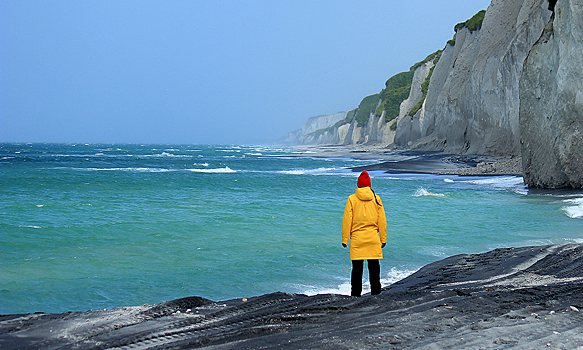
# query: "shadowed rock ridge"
{"points": [[512, 297]]}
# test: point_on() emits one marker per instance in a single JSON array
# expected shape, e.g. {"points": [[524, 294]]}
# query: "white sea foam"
{"points": [[578, 201], [139, 156], [343, 288], [267, 149], [392, 276], [317, 171], [395, 275], [131, 169], [575, 210], [169, 155], [422, 192], [510, 183], [225, 170], [284, 157]]}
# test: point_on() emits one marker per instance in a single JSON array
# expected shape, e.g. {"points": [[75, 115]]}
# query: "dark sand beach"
{"points": [[397, 161], [521, 298]]}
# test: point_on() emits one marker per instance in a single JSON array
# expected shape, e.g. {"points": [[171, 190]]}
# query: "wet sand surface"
{"points": [[398, 161], [529, 297]]}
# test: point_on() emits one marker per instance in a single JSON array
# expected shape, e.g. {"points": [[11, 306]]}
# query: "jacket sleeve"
{"points": [[347, 222], [382, 221]]}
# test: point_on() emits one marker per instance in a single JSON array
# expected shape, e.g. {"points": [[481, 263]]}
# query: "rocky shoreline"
{"points": [[398, 161], [528, 297]]}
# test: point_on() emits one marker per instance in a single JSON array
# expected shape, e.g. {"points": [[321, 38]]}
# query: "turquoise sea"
{"points": [[93, 226]]}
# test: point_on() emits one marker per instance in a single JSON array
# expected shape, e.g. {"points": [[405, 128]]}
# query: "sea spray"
{"points": [[574, 209]]}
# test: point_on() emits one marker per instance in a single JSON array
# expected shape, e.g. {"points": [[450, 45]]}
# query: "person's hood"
{"points": [[364, 194]]}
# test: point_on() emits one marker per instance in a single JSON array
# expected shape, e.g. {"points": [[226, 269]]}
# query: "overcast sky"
{"points": [[213, 71]]}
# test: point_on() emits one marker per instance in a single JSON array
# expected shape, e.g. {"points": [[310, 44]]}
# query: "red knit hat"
{"points": [[363, 180]]}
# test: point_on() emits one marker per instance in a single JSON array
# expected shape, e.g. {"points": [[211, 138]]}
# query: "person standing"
{"points": [[365, 225]]}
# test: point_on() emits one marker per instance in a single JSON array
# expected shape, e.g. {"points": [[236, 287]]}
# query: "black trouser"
{"points": [[374, 273]]}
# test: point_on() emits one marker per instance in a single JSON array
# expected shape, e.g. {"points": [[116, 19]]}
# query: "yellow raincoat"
{"points": [[365, 225]]}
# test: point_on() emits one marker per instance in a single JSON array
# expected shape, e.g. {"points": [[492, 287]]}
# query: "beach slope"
{"points": [[528, 297]]}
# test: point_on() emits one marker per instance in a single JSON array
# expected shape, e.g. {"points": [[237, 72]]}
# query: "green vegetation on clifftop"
{"points": [[366, 106], [473, 23], [396, 90]]}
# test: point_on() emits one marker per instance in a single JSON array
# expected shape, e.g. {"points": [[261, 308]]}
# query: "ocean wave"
{"points": [[317, 171], [225, 170], [267, 149], [117, 155], [167, 155], [278, 156], [510, 183], [392, 276], [130, 169], [422, 192], [574, 211]]}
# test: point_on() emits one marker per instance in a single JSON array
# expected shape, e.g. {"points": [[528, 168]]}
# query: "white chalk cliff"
{"points": [[473, 99], [551, 109], [511, 86], [472, 102]]}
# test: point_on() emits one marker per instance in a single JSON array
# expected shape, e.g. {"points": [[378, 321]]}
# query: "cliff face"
{"points": [[312, 132], [473, 99], [551, 110], [326, 130], [409, 127], [377, 128], [513, 86]]}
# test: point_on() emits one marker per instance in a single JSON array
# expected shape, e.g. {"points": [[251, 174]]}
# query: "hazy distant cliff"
{"points": [[551, 109], [375, 118], [314, 130]]}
